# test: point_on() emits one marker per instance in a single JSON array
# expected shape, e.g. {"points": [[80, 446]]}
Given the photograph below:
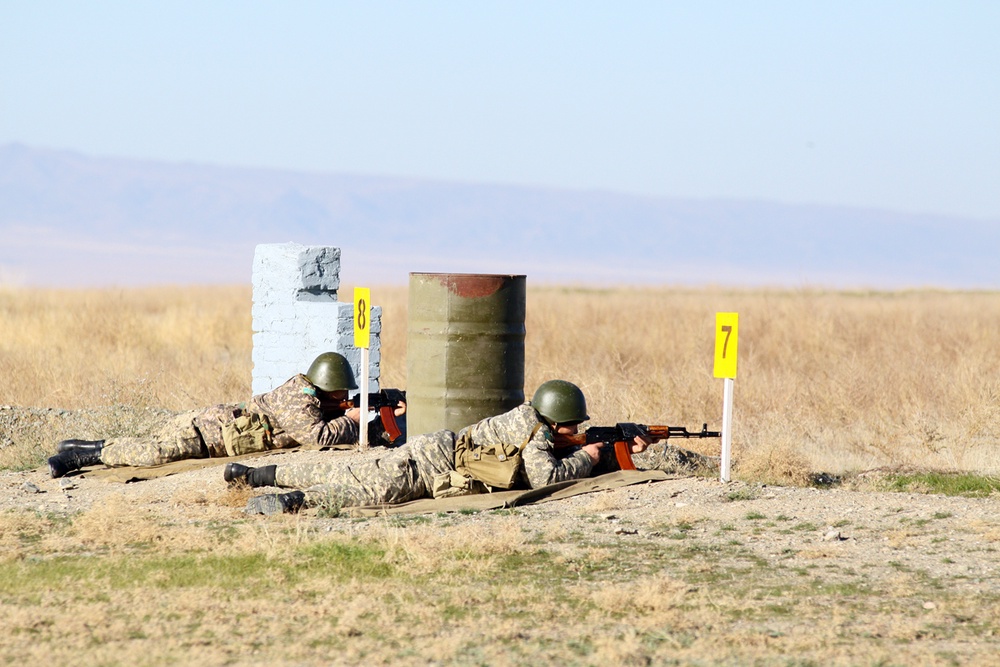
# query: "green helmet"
{"points": [[331, 372], [560, 402]]}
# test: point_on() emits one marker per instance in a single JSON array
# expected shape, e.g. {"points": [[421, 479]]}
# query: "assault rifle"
{"points": [[624, 433], [385, 401]]}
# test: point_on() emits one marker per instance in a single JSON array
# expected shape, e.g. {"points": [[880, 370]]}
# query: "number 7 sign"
{"points": [[726, 344], [726, 337]]}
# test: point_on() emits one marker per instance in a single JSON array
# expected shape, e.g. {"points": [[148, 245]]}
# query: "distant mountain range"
{"points": [[68, 219]]}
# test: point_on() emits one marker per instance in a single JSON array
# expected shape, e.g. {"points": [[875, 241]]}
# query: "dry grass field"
{"points": [[829, 381], [766, 571]]}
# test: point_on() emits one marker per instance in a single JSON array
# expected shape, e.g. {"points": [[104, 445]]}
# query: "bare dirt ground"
{"points": [[953, 539]]}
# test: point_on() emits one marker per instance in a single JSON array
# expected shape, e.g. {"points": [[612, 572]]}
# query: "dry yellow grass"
{"points": [[172, 348], [833, 381]]}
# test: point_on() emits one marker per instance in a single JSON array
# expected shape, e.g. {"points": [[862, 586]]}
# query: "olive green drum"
{"points": [[464, 349]]}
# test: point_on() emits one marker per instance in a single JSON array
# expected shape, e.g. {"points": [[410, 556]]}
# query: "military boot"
{"points": [[66, 462], [235, 473], [80, 446], [276, 503]]}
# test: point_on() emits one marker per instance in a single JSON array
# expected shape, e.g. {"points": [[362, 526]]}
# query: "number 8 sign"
{"points": [[362, 316], [726, 330]]}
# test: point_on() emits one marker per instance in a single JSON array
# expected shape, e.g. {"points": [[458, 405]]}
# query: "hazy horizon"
{"points": [[68, 219]]}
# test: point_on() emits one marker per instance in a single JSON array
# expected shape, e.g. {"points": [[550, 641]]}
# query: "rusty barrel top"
{"points": [[464, 348]]}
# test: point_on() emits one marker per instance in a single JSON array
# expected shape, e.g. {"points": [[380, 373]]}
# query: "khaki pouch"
{"points": [[248, 433], [496, 466], [451, 483]]}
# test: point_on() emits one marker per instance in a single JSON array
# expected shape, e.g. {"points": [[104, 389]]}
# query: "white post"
{"points": [[362, 339], [363, 424], [727, 427]]}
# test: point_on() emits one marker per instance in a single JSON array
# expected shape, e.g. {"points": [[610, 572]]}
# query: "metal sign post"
{"points": [[726, 343], [362, 339]]}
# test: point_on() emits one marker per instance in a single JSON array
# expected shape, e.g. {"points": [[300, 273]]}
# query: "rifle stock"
{"points": [[623, 434]]}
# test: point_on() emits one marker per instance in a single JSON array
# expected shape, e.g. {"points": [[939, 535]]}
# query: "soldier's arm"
{"points": [[307, 427], [542, 467], [338, 431]]}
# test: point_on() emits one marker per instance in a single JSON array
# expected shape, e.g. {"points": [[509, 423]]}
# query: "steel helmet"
{"points": [[560, 402], [331, 372]]}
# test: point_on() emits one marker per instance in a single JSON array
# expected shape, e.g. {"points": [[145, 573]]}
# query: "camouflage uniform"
{"points": [[402, 475], [407, 473], [296, 414], [543, 464]]}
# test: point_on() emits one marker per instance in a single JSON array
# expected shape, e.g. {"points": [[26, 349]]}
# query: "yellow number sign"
{"points": [[726, 330], [362, 317]]}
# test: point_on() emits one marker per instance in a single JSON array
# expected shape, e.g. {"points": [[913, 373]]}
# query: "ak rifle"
{"points": [[623, 434], [385, 401]]}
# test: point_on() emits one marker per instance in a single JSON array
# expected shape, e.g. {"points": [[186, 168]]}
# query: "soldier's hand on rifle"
{"points": [[593, 450], [571, 428], [355, 414], [641, 442], [400, 409]]}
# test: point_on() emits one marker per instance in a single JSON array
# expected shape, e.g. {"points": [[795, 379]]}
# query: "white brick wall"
{"points": [[297, 317]]}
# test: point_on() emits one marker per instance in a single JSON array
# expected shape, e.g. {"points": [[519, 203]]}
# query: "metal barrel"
{"points": [[464, 349]]}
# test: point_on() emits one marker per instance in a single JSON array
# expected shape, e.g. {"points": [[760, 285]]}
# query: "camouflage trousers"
{"points": [[404, 474], [190, 435]]}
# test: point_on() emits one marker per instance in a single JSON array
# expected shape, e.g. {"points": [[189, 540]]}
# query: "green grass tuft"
{"points": [[968, 485], [324, 559]]}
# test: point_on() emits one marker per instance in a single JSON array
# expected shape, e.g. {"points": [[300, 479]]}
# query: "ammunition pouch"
{"points": [[451, 483], [495, 465], [248, 433]]}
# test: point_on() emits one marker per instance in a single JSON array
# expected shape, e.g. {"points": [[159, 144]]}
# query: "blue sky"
{"points": [[892, 105]]}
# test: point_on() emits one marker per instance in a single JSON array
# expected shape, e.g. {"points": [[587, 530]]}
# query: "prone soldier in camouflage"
{"points": [[304, 411], [418, 468]]}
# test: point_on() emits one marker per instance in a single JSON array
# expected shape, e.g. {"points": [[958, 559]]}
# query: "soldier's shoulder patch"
{"points": [[309, 390]]}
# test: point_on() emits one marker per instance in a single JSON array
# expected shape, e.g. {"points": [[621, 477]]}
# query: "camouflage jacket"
{"points": [[542, 463], [299, 417]]}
